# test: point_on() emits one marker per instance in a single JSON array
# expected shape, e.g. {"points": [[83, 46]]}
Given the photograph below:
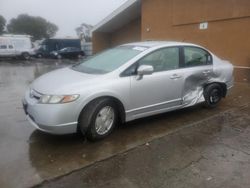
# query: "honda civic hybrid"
{"points": [[125, 83]]}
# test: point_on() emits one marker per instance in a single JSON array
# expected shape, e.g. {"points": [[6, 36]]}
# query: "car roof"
{"points": [[151, 44]]}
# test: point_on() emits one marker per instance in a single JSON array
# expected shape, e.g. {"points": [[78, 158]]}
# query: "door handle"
{"points": [[175, 76]]}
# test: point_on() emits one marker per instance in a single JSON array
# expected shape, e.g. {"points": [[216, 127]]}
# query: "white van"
{"points": [[16, 46]]}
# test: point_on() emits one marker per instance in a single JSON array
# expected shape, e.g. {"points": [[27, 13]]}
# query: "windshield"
{"points": [[107, 61]]}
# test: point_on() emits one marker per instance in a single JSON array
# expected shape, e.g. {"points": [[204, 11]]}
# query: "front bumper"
{"points": [[55, 129], [54, 119]]}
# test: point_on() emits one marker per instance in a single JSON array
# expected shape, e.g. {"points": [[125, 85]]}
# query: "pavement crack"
{"points": [[189, 164], [235, 149]]}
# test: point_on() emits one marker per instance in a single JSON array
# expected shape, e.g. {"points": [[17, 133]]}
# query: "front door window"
{"points": [[162, 59]]}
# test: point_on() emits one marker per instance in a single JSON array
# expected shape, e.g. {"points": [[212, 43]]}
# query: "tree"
{"points": [[84, 32], [2, 24], [37, 27]]}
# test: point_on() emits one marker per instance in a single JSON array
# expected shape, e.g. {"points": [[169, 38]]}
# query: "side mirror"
{"points": [[145, 70]]}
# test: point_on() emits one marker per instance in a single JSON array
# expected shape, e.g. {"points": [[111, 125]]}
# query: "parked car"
{"points": [[69, 52], [125, 83], [18, 46], [48, 46]]}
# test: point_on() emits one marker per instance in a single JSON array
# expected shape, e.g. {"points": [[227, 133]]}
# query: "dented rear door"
{"points": [[197, 69]]}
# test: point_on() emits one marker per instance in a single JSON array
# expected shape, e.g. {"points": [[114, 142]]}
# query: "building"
{"points": [[223, 26]]}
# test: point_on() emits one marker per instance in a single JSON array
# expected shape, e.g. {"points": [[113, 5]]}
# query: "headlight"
{"points": [[57, 99]]}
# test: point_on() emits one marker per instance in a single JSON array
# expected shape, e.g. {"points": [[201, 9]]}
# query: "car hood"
{"points": [[63, 81]]}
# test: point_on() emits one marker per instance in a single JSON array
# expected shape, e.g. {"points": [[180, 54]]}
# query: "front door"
{"points": [[3, 50], [151, 94]]}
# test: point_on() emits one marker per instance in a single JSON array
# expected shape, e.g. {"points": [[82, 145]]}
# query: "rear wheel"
{"points": [[98, 119], [79, 56], [213, 94], [26, 56], [39, 55], [59, 56]]}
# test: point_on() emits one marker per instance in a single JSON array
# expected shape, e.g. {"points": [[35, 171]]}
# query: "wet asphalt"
{"points": [[193, 147]]}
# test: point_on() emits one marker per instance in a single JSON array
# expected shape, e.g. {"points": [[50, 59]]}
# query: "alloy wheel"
{"points": [[104, 120]]}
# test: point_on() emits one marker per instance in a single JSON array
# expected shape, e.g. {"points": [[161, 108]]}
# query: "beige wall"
{"points": [[228, 33], [128, 33], [100, 41], [195, 11]]}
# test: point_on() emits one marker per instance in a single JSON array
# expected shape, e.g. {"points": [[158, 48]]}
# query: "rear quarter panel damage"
{"points": [[195, 80]]}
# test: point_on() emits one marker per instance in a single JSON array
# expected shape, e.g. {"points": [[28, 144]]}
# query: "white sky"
{"points": [[66, 14]]}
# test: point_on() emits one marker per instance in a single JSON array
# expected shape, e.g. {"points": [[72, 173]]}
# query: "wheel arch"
{"points": [[25, 52], [120, 107]]}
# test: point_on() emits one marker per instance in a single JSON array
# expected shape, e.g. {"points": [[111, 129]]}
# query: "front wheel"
{"points": [[98, 119], [213, 95]]}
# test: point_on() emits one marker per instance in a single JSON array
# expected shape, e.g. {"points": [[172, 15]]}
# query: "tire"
{"points": [[26, 56], [213, 94], [92, 119], [39, 55], [59, 56]]}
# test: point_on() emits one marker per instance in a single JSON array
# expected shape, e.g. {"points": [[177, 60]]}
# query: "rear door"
{"points": [[70, 52], [3, 50], [75, 52], [11, 50], [197, 69]]}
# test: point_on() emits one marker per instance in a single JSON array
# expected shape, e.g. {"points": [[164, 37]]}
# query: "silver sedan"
{"points": [[127, 82]]}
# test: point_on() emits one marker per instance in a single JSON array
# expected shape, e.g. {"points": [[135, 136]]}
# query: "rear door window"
{"points": [[194, 56]]}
